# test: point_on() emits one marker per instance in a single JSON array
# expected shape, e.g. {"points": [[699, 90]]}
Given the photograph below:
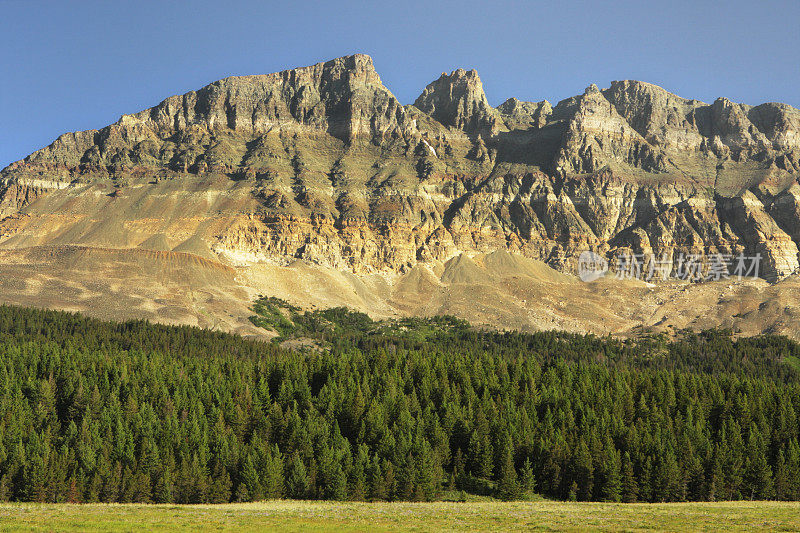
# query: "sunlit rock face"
{"points": [[323, 164]]}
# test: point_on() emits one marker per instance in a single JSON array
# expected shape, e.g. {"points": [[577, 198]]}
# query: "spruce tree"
{"points": [[781, 482], [611, 479], [668, 479], [220, 490], [272, 474], [508, 485], [527, 478], [297, 483], [793, 470], [36, 481], [138, 412], [583, 469], [251, 488], [630, 487], [758, 474], [377, 483]]}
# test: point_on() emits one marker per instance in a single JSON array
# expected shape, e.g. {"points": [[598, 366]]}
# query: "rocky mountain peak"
{"points": [[328, 166], [457, 101], [658, 115], [518, 114], [335, 96], [343, 97], [358, 63], [591, 89]]}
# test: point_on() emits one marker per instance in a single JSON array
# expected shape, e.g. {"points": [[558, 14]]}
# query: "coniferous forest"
{"points": [[414, 410]]}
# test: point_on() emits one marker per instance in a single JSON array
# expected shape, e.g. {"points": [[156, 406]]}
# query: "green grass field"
{"points": [[396, 517]]}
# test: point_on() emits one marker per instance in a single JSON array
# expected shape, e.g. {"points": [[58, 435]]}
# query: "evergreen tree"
{"points": [[481, 452], [377, 483], [429, 474], [793, 471], [630, 487], [220, 490], [527, 477], [163, 490], [338, 489], [112, 484], [36, 480], [668, 479], [781, 485], [508, 486], [611, 479], [251, 488], [583, 472], [297, 483], [272, 478], [758, 474], [99, 411]]}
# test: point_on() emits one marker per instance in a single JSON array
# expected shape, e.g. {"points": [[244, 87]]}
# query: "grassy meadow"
{"points": [[395, 517]]}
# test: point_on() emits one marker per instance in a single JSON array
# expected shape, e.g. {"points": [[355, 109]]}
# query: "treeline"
{"points": [[96, 411]]}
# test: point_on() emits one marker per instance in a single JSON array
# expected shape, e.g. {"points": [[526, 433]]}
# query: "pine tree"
{"points": [[481, 453], [93, 488], [357, 483], [133, 412], [140, 487], [781, 483], [611, 482], [527, 478], [732, 455], [5, 488], [573, 492], [459, 468], [297, 484], [220, 490], [242, 494], [251, 489], [646, 481], [272, 478], [164, 489], [377, 483], [716, 477], [668, 479], [793, 470], [508, 486], [390, 482], [758, 474], [630, 488], [73, 492], [36, 480], [583, 472], [429, 473], [339, 486], [112, 484], [406, 479]]}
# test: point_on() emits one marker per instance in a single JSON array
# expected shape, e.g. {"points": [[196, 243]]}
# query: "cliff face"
{"points": [[323, 164]]}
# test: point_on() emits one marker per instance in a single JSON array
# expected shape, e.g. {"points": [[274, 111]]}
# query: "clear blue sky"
{"points": [[70, 66]]}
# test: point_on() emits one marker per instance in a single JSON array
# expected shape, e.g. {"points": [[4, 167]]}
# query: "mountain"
{"points": [[317, 185]]}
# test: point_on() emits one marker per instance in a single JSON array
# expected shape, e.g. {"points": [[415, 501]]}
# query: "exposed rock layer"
{"points": [[323, 164]]}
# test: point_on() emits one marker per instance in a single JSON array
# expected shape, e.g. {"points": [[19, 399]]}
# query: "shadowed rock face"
{"points": [[323, 164], [458, 101]]}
